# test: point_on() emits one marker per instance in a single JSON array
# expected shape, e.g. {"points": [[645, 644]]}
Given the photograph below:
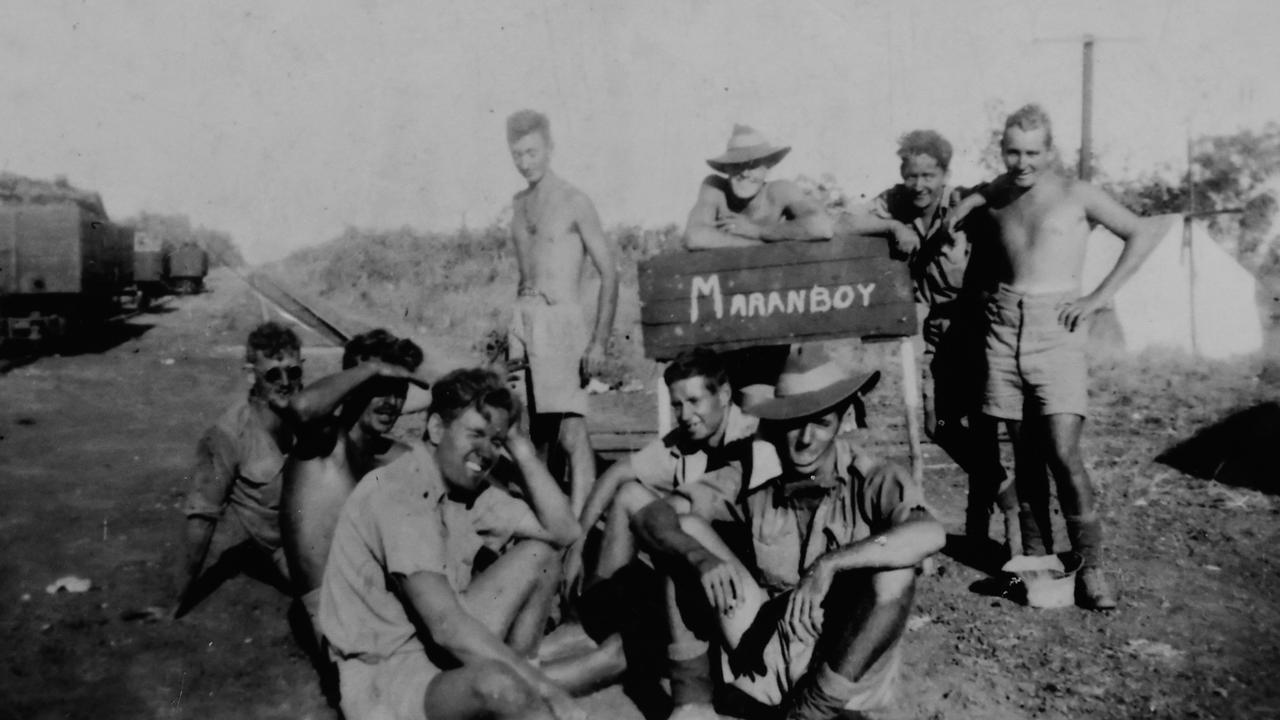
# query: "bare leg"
{"points": [[619, 545], [582, 461], [1032, 483], [866, 614], [483, 690], [514, 594], [1075, 490], [592, 670]]}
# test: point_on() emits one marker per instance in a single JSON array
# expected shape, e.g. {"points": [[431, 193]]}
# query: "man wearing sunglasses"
{"points": [[232, 505], [343, 425]]}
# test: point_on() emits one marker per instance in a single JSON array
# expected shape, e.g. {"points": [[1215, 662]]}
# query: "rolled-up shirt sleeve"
{"points": [[212, 475], [893, 495]]}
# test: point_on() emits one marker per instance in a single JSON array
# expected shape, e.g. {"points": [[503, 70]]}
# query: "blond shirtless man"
{"points": [[553, 226], [1037, 326], [343, 420]]}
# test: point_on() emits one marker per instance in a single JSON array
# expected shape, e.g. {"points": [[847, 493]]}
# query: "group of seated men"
{"points": [[429, 569]]}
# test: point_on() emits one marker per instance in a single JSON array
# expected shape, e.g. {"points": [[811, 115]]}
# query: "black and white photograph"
{"points": [[684, 360]]}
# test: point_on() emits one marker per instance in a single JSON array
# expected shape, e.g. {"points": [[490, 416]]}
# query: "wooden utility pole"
{"points": [[1085, 168], [1086, 112]]}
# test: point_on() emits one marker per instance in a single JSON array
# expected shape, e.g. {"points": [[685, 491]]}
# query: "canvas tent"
{"points": [[1190, 294]]}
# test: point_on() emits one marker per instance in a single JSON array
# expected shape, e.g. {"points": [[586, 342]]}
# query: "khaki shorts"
{"points": [[766, 666], [393, 689], [553, 339], [1032, 360]]}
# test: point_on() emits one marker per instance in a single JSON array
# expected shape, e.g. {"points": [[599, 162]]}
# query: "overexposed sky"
{"points": [[283, 122]]}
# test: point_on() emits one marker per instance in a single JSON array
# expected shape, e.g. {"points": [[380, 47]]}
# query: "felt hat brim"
{"points": [[816, 402], [754, 155]]}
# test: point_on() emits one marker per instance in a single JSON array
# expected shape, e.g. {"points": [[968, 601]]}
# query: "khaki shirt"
{"points": [[400, 520], [667, 463], [870, 497], [239, 467], [937, 273]]}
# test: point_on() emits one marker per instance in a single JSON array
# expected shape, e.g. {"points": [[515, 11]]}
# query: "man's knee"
{"points": [[893, 586], [500, 690], [631, 497], [695, 526], [538, 555]]}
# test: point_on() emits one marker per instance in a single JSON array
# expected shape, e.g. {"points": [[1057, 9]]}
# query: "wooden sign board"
{"points": [[774, 294]]}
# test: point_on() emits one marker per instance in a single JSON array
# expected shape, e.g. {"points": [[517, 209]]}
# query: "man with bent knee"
{"points": [[401, 600], [1037, 325], [618, 588], [810, 626]]}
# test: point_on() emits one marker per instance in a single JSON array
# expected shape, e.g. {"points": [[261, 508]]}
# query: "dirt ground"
{"points": [[94, 445]]}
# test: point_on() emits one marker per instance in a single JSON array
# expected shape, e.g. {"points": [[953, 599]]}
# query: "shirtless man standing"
{"points": [[343, 421], [553, 225], [739, 207], [1037, 326]]}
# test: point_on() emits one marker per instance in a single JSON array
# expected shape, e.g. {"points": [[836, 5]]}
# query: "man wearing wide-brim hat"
{"points": [[811, 626], [739, 207]]}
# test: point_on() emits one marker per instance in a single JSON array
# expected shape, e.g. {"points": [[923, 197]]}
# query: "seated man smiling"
{"points": [[810, 626]]}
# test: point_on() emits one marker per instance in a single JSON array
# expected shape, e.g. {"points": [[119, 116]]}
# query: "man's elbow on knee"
{"points": [[894, 585]]}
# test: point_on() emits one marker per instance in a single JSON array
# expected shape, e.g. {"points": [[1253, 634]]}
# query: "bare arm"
{"points": [[212, 478], [603, 490], [318, 400], [602, 252], [700, 231], [558, 526], [456, 631], [1140, 236], [902, 546], [809, 220]]}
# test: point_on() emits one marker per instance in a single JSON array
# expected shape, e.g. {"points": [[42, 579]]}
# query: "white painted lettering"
{"points": [[819, 299], [795, 301], [738, 305], [775, 301], [843, 297], [866, 292], [756, 305], [703, 286]]}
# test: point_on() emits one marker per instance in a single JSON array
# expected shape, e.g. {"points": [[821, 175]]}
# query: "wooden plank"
{"points": [[772, 295], [869, 282], [654, 271]]}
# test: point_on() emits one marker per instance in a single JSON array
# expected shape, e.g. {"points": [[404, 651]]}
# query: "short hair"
{"points": [[524, 122], [925, 142], [1030, 117], [470, 388], [270, 339], [697, 362], [381, 345]]}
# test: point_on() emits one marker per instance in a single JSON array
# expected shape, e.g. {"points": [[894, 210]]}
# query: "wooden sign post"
{"points": [[778, 294]]}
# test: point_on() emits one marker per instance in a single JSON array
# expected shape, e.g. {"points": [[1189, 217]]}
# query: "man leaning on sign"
{"points": [[738, 207]]}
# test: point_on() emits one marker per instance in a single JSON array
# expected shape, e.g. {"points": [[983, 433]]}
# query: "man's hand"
{"points": [[721, 584], [905, 238], [593, 360], [1072, 314], [397, 372], [739, 225], [563, 706], [957, 214], [803, 620]]}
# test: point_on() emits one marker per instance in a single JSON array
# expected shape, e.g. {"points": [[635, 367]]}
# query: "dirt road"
{"points": [[94, 446]]}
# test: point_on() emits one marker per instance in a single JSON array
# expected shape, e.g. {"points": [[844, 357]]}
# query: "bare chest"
{"points": [[1039, 224]]}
